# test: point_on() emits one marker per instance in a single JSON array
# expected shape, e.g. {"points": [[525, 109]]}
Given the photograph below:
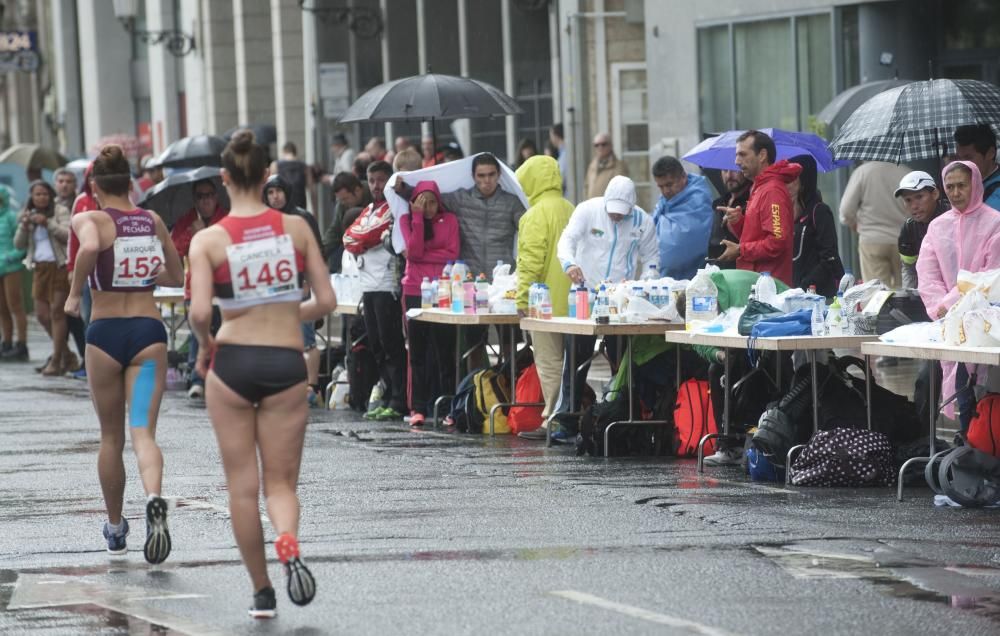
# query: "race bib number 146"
{"points": [[138, 260], [264, 268]]}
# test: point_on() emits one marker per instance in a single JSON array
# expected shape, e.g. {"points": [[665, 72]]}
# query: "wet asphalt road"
{"points": [[423, 532]]}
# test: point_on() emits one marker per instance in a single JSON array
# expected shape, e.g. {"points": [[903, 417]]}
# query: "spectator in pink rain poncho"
{"points": [[965, 237]]}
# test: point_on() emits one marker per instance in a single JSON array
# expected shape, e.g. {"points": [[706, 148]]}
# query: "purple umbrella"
{"points": [[720, 152]]}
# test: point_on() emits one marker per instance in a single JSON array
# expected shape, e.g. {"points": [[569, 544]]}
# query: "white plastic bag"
{"points": [[954, 327], [981, 327], [503, 291], [914, 333], [987, 282]]}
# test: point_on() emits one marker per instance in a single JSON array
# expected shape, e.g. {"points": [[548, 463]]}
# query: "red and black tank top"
{"points": [[262, 265]]}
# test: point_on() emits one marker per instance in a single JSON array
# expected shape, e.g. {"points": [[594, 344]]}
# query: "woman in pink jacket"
{"points": [[431, 235], [965, 237]]}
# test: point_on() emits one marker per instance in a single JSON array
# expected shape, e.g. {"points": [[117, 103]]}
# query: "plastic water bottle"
{"points": [[469, 289], [457, 296], [496, 269], [482, 295], [426, 294], [446, 272], [582, 303], [545, 304], [460, 270], [835, 317], [571, 302], [818, 320], [767, 291], [846, 282], [702, 303], [444, 292], [533, 300], [602, 306], [651, 273]]}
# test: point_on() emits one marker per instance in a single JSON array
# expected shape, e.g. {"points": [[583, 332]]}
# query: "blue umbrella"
{"points": [[720, 152]]}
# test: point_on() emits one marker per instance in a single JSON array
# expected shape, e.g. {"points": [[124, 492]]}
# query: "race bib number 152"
{"points": [[264, 268], [138, 260]]}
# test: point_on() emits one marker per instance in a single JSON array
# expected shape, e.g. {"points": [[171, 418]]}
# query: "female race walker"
{"points": [[253, 262], [124, 253]]}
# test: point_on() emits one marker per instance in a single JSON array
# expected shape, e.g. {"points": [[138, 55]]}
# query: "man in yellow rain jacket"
{"points": [[538, 235]]}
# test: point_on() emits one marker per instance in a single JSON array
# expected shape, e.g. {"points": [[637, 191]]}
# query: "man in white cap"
{"points": [[608, 238], [920, 195]]}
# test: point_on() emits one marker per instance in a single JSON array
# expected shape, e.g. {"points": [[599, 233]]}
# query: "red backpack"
{"points": [[528, 391], [984, 429], [693, 418]]}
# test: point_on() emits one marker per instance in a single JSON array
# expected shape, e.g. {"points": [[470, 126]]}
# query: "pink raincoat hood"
{"points": [[976, 194]]}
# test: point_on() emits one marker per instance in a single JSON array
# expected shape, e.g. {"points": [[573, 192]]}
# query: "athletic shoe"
{"points": [[416, 419], [18, 353], [264, 604], [157, 547], [116, 540], [196, 392], [389, 415], [301, 584], [725, 457], [81, 373], [537, 434]]}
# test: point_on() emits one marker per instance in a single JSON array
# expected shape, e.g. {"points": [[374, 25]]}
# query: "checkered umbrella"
{"points": [[916, 121]]}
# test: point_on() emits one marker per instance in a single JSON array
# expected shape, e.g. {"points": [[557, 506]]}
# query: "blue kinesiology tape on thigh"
{"points": [[142, 393]]}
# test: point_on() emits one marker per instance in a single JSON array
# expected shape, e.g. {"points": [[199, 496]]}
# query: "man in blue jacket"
{"points": [[683, 218]]}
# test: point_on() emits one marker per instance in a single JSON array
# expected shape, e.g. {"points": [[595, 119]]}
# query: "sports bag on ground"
{"points": [[528, 391], [984, 430], [967, 476], [491, 387], [464, 414], [693, 418], [845, 458]]}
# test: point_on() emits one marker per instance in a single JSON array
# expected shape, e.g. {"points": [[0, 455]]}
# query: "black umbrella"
{"points": [[265, 134], [916, 121], [845, 103], [193, 152], [174, 196], [430, 97]]}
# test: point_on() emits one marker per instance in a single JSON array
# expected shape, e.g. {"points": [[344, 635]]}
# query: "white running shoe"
{"points": [[725, 457]]}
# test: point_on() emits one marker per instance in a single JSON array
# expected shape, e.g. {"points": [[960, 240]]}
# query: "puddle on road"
{"points": [[895, 578]]}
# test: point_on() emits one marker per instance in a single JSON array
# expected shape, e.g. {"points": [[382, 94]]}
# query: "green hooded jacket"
{"points": [[539, 230], [11, 258]]}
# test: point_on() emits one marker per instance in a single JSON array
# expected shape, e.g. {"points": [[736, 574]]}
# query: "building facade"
{"points": [[657, 75]]}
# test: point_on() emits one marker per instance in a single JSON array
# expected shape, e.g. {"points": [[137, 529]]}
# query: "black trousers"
{"points": [[431, 360], [384, 323]]}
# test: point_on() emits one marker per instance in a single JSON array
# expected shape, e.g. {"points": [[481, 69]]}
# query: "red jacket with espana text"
{"points": [[766, 231]]}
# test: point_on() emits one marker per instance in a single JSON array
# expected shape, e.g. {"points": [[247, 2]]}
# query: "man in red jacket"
{"points": [[766, 230]]}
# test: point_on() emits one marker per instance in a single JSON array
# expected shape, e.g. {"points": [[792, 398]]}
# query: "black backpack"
{"points": [[633, 441], [362, 370], [967, 476], [464, 414]]}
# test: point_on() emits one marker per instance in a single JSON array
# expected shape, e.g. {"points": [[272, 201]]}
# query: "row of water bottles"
{"points": [[347, 287]]}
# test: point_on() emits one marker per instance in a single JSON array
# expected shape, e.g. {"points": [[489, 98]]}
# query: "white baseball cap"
{"points": [[915, 182], [619, 197]]}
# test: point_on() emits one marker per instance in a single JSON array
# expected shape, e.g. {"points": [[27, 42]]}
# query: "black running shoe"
{"points": [[301, 584], [157, 547], [264, 604]]}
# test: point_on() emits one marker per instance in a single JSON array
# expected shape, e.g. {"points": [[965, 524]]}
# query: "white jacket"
{"points": [[377, 271], [606, 250]]}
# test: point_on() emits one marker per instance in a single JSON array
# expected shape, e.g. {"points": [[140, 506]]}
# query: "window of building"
{"points": [[630, 119], [766, 73]]}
